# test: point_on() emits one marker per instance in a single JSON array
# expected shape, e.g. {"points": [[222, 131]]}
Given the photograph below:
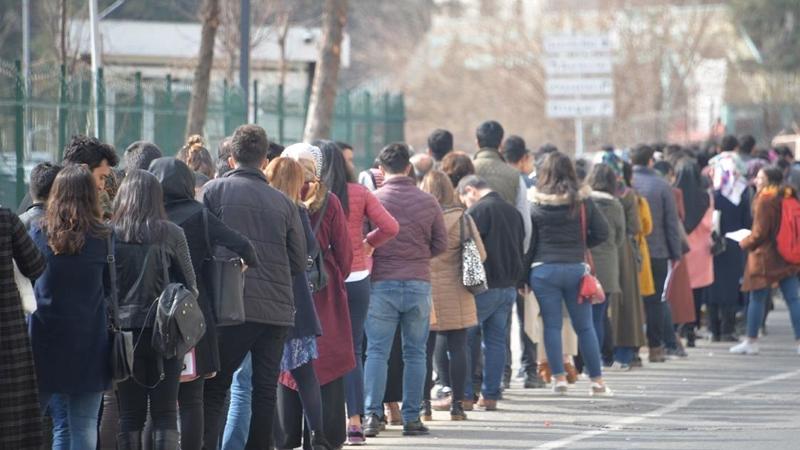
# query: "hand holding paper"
{"points": [[738, 235]]}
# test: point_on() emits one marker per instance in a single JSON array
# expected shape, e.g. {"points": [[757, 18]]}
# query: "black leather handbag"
{"points": [[226, 284], [317, 277], [121, 340]]}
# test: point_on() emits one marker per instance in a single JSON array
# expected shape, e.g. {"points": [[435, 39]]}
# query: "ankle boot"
{"points": [[457, 411], [426, 414], [166, 439], [572, 372], [131, 440], [318, 441], [657, 355], [544, 372]]}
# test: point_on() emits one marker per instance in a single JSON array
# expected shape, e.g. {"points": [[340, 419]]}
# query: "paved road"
{"points": [[710, 401]]}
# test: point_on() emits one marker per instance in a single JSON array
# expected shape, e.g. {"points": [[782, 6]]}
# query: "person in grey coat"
{"points": [[664, 242], [603, 182]]}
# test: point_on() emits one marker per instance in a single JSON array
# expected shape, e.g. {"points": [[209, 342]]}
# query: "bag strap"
{"points": [[112, 275], [322, 212], [587, 254], [205, 229]]}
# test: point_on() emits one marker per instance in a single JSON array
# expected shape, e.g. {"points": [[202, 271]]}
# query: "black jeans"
{"points": [[455, 343], [265, 342], [290, 425], [653, 307], [190, 405], [133, 397], [528, 357], [721, 319]]}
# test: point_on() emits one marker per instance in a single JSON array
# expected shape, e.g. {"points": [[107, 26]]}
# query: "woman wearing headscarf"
{"points": [[698, 223], [732, 200], [203, 231], [335, 346]]}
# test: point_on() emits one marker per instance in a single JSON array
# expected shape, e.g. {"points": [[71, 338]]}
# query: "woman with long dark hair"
{"points": [[203, 232], [146, 241], [360, 205], [765, 265], [69, 328], [559, 207]]}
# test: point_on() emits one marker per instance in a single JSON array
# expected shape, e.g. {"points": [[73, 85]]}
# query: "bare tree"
{"points": [[326, 74], [198, 104]]}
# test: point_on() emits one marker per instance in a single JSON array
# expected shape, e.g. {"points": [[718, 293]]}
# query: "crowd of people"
{"points": [[355, 301]]}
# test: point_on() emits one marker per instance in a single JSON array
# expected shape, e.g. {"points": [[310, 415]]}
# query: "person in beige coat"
{"points": [[453, 310]]}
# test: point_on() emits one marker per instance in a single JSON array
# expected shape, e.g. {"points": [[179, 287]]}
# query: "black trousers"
{"points": [[653, 309], [455, 344], [190, 406], [528, 357], [721, 319], [265, 342], [137, 397], [289, 426], [394, 379]]}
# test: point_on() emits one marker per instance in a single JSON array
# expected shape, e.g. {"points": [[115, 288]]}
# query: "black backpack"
{"points": [[317, 277]]}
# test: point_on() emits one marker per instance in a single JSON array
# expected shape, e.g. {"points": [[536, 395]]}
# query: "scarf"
{"points": [[727, 176]]}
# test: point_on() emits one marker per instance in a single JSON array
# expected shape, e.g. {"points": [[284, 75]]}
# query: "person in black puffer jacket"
{"points": [[145, 238], [557, 254]]}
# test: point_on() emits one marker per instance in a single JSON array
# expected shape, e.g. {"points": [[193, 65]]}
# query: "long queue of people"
{"points": [[328, 299]]}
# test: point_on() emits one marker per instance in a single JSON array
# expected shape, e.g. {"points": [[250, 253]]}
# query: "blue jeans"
{"points": [[393, 303], [494, 307], [624, 355], [237, 427], [755, 309], [74, 419], [556, 283], [599, 313], [358, 302]]}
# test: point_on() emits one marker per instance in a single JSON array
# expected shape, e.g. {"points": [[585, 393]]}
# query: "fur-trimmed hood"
{"points": [[540, 198]]}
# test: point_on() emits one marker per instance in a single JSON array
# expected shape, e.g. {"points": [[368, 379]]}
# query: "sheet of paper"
{"points": [[738, 235]]}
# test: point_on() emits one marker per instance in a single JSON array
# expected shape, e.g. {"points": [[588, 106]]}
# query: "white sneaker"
{"points": [[600, 390], [560, 387], [745, 348], [620, 367]]}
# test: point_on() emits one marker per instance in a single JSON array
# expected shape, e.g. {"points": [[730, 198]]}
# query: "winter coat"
{"points": [[422, 234], [502, 231], [244, 201], [335, 346], [557, 232], [606, 255], [306, 321], [501, 177], [177, 182], [365, 206], [729, 265], [699, 260], [665, 240], [69, 330], [33, 214], [453, 305], [647, 285], [765, 266], [626, 309], [20, 412]]}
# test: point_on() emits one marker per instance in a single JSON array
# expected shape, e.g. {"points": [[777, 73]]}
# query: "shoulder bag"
{"points": [[317, 277], [225, 284], [473, 274], [121, 341], [590, 289]]}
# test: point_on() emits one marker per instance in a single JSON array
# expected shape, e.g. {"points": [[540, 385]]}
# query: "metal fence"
{"points": [[38, 115]]}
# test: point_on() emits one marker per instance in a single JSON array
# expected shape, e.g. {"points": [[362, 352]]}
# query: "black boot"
{"points": [[427, 413], [129, 441], [457, 411], [318, 441], [166, 439]]}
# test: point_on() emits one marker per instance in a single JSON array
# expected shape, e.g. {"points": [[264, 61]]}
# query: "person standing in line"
{"points": [[203, 232], [560, 208], [360, 205], [401, 290], [244, 201], [42, 177], [197, 156], [765, 265], [457, 165], [422, 163], [664, 242], [603, 181], [140, 154], [330, 301], [454, 311], [440, 144], [501, 230], [145, 241], [21, 426]]}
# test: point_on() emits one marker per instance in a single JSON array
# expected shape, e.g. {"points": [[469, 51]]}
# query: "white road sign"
{"points": [[593, 65], [580, 87], [562, 109], [566, 43]]}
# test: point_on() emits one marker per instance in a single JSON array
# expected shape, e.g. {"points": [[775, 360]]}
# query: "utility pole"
{"points": [[244, 54], [96, 63]]}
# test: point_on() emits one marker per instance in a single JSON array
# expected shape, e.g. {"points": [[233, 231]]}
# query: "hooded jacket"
{"points": [[502, 232], [557, 234], [244, 201]]}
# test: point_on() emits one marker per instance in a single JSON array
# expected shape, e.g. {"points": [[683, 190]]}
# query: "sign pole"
{"points": [[578, 137]]}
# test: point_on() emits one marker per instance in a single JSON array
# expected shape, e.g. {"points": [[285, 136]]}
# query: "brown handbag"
{"points": [[590, 289]]}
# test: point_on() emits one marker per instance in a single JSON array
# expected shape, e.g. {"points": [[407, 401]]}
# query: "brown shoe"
{"points": [[487, 405], [468, 405], [442, 405], [657, 355], [572, 373], [392, 410], [544, 372]]}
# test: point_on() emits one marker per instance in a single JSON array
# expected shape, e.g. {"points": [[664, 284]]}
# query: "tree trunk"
{"points": [[326, 74], [198, 104], [62, 42]]}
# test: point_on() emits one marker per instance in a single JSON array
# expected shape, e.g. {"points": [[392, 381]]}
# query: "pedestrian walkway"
{"points": [[711, 401]]}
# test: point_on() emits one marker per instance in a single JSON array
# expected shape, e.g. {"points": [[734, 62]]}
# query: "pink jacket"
{"points": [[365, 206]]}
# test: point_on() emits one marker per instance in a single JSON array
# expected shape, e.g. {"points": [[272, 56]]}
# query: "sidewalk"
{"points": [[712, 400]]}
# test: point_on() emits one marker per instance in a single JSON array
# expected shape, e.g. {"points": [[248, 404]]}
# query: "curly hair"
{"points": [[90, 151], [196, 156], [73, 211]]}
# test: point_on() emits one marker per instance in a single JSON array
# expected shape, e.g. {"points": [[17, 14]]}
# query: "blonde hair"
{"points": [[438, 184], [195, 154], [286, 175]]}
